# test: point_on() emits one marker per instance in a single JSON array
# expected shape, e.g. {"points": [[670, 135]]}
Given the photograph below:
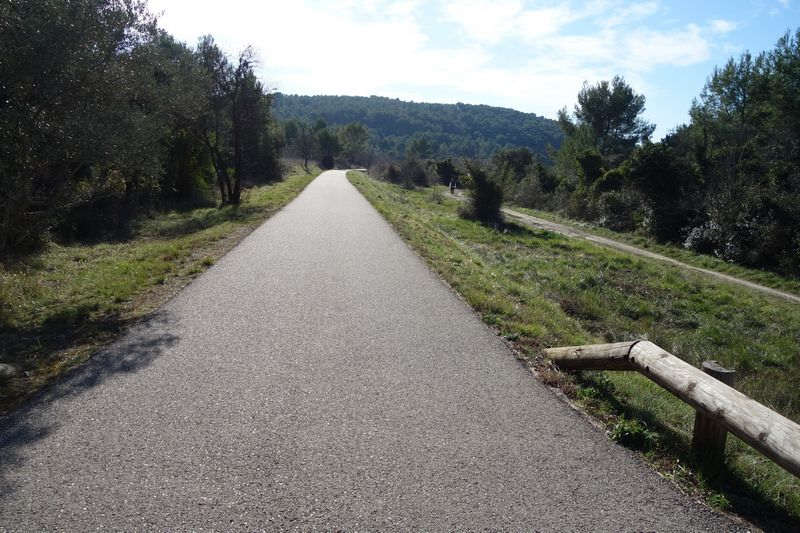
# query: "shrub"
{"points": [[704, 238], [413, 173], [580, 205], [668, 186], [393, 174], [529, 191], [613, 180], [620, 210], [446, 171], [486, 197]]}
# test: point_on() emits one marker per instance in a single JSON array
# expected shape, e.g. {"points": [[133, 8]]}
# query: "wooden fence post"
{"points": [[709, 435]]}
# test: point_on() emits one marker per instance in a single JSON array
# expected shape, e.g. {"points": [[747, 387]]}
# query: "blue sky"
{"points": [[528, 55]]}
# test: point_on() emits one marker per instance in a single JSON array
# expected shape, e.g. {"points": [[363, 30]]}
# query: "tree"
{"points": [[668, 186], [236, 128], [744, 138], [102, 114], [419, 147], [517, 160], [611, 111], [305, 142], [328, 147], [447, 171], [486, 196], [74, 108], [216, 123], [452, 130], [255, 141], [354, 139]]}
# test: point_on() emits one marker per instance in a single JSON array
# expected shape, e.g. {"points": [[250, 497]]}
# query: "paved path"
{"points": [[319, 376]]}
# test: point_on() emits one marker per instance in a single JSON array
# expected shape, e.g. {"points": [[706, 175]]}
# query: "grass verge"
{"points": [[762, 277], [59, 306], [539, 289]]}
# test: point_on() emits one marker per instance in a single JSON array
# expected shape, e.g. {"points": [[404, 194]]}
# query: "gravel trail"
{"points": [[319, 376]]}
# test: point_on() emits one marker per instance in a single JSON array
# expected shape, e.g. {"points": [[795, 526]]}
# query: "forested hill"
{"points": [[452, 129]]}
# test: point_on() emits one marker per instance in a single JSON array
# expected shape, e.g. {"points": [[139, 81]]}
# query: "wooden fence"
{"points": [[720, 408]]}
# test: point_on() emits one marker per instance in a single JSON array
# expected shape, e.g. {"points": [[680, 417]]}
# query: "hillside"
{"points": [[453, 129]]}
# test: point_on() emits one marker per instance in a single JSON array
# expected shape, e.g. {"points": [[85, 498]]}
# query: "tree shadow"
{"points": [[519, 230], [32, 347], [199, 220], [744, 500], [27, 424]]}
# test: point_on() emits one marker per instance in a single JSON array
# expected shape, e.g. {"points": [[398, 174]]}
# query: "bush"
{"points": [[591, 166], [704, 238], [413, 173], [580, 205], [668, 186], [620, 210], [393, 174], [529, 191], [486, 197], [613, 180]]}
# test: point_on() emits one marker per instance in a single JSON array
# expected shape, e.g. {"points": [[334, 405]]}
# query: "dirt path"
{"points": [[569, 231]]}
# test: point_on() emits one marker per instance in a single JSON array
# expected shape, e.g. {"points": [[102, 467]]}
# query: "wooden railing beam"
{"points": [[772, 434]]}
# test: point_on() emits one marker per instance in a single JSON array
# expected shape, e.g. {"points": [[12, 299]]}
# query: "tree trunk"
{"points": [[236, 116]]}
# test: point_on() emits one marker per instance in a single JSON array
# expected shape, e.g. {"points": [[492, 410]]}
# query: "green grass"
{"points": [[540, 289], [59, 306], [762, 277]]}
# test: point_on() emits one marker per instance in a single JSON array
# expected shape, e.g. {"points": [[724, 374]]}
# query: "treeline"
{"points": [[345, 146], [460, 130], [103, 115], [727, 183]]}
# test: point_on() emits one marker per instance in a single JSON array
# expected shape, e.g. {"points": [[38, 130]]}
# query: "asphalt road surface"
{"points": [[320, 377]]}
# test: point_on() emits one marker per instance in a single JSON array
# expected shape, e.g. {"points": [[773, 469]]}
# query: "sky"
{"points": [[533, 56]]}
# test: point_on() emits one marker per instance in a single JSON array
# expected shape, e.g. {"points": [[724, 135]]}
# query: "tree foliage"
{"points": [[451, 130], [485, 198], [611, 112], [447, 171], [726, 183], [102, 114], [745, 139], [354, 139]]}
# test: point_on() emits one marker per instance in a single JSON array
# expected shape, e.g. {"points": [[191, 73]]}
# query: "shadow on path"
{"points": [[29, 423]]}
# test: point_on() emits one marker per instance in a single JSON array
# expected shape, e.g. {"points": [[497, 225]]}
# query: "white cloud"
{"points": [[644, 49], [536, 23], [504, 52], [628, 14], [722, 26], [492, 21], [484, 21]]}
